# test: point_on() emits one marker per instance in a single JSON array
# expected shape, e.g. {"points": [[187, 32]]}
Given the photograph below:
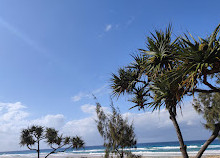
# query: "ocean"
{"points": [[147, 149]]}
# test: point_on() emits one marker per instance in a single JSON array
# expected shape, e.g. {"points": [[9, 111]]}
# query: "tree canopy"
{"points": [[118, 134], [167, 70], [34, 134]]}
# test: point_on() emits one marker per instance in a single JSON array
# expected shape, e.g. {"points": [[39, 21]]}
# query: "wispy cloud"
{"points": [[116, 26], [130, 21], [88, 95], [108, 27], [12, 29], [79, 96]]}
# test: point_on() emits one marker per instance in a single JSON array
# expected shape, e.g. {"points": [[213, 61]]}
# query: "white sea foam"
{"points": [[214, 146], [93, 150], [161, 154], [174, 147]]}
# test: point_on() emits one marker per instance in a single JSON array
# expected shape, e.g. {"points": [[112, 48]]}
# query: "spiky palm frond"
{"points": [[139, 64], [166, 92], [77, 142], [161, 51], [26, 138], [200, 58], [51, 136], [31, 135], [141, 97], [37, 131], [124, 81]]}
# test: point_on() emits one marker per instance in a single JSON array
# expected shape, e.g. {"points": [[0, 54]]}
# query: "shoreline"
{"points": [[210, 154]]}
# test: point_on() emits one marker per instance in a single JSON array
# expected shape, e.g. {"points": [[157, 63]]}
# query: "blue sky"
{"points": [[54, 54]]}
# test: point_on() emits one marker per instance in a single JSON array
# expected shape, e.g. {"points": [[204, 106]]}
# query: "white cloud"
{"points": [[91, 109], [157, 126], [149, 127], [12, 112], [88, 108], [54, 121], [108, 27], [86, 128], [14, 118], [76, 98]]}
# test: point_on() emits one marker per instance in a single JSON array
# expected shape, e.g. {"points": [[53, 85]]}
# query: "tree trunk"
{"points": [[122, 153], [209, 141], [38, 149], [179, 134], [49, 154]]}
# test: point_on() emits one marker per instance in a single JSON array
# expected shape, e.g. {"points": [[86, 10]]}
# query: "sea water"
{"points": [[147, 149]]}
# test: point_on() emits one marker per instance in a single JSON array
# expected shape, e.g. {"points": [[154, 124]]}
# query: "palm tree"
{"points": [[150, 81], [168, 70], [167, 93]]}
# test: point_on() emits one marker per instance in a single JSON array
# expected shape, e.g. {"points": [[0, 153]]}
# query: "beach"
{"points": [[144, 155], [146, 150], [86, 156]]}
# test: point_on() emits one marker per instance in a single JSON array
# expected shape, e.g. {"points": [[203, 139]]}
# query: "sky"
{"points": [[54, 54]]}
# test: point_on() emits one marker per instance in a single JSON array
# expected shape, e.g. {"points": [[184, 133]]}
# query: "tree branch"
{"points": [[210, 140], [55, 150], [208, 84], [31, 148], [52, 147], [144, 82], [205, 91], [66, 148], [213, 71]]}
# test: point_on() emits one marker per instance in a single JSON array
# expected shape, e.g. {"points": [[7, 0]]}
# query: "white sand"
{"points": [[68, 155]]}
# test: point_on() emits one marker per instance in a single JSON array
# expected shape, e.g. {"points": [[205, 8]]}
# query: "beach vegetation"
{"points": [[32, 136], [160, 76], [207, 105], [117, 132]]}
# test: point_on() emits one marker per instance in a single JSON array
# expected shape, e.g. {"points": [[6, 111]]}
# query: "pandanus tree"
{"points": [[33, 135], [169, 69], [58, 143], [200, 65], [148, 80]]}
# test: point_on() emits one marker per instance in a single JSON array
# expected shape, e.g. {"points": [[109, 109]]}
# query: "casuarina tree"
{"points": [[208, 105], [118, 134]]}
